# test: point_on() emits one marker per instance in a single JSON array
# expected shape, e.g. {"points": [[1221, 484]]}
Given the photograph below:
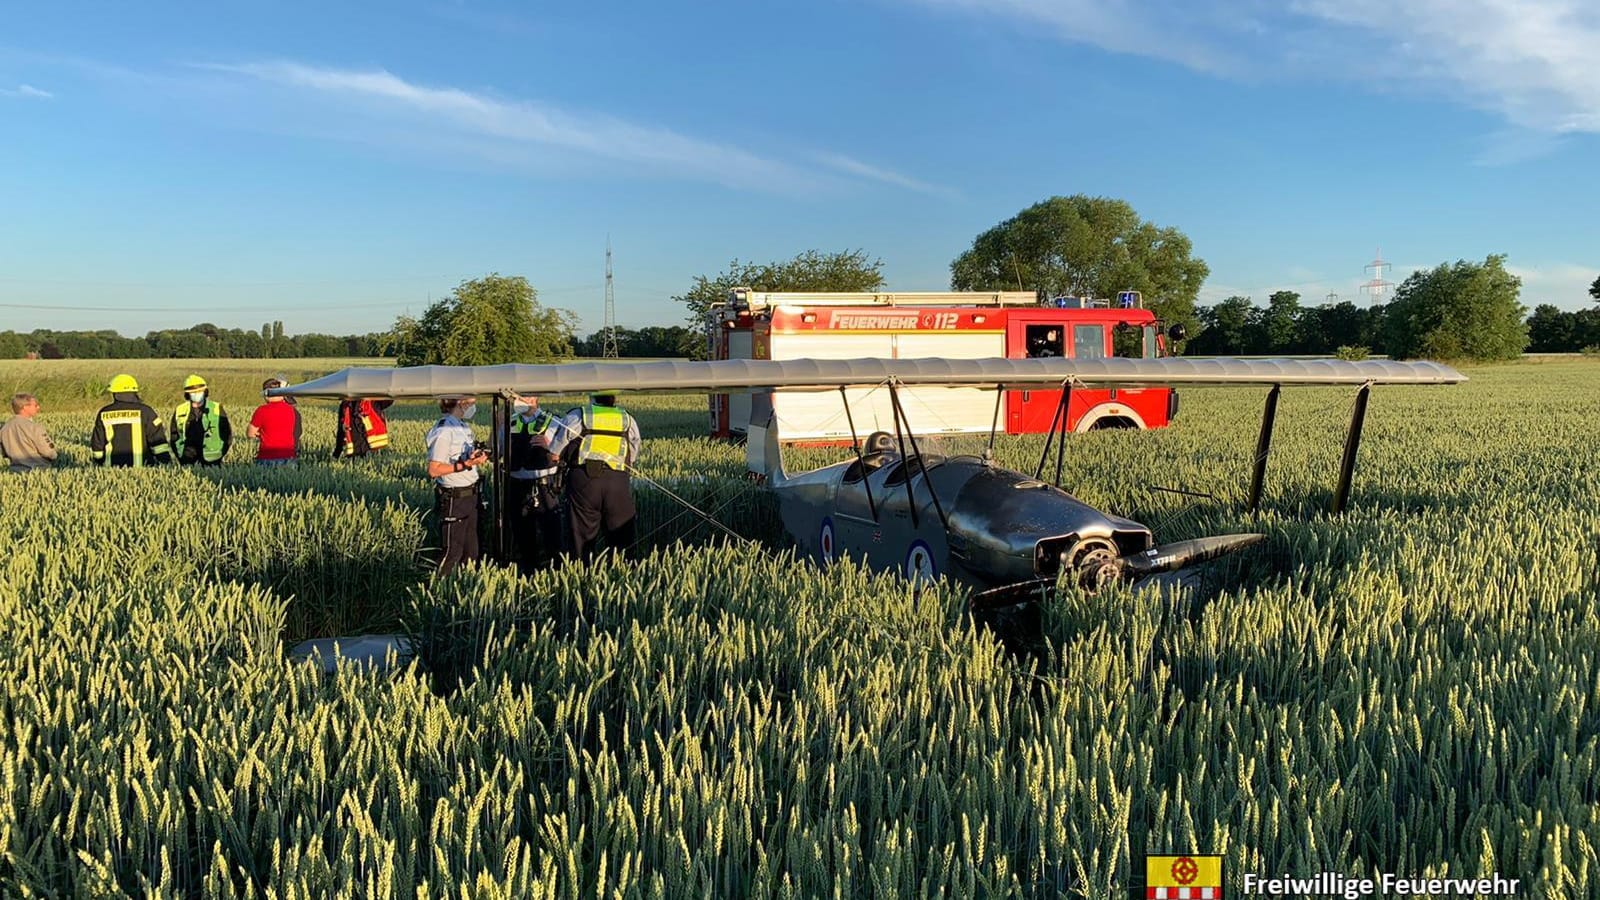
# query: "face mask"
{"points": [[196, 396], [521, 408], [468, 412]]}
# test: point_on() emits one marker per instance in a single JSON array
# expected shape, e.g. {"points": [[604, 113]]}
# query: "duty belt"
{"points": [[538, 476], [456, 491]]}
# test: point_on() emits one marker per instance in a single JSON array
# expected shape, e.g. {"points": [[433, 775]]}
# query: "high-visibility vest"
{"points": [[605, 428], [376, 429], [210, 419], [525, 455]]}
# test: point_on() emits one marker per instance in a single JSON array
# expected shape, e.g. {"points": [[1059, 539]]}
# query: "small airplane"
{"points": [[1004, 533]]}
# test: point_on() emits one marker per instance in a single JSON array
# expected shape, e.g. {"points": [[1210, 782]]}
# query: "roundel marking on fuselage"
{"points": [[919, 562]]}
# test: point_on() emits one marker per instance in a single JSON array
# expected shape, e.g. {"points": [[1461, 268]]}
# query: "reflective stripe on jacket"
{"points": [[128, 433]]}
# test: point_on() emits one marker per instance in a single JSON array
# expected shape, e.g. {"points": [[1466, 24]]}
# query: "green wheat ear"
{"points": [[1409, 687]]}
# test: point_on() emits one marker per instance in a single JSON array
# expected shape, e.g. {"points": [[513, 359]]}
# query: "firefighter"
{"points": [[126, 431], [360, 428], [598, 443], [201, 432], [535, 498], [453, 460]]}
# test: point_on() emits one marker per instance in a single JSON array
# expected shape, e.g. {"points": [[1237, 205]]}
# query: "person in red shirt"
{"points": [[276, 425]]}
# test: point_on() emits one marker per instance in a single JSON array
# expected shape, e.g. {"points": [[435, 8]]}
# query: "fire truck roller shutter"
{"points": [[933, 410], [739, 347], [820, 416]]}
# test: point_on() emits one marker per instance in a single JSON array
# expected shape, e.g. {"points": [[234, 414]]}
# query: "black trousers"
{"points": [[599, 497], [458, 527], [535, 526]]}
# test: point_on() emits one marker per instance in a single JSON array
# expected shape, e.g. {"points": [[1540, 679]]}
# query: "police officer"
{"points": [[599, 442], [126, 431], [535, 500], [453, 461], [201, 432]]}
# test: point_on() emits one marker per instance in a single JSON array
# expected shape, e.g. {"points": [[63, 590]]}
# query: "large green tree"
{"points": [[1464, 310], [847, 271], [1594, 289], [1226, 329], [1280, 322], [489, 320], [1083, 245]]}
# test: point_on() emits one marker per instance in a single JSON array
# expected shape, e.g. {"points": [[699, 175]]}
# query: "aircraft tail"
{"points": [[762, 452]]}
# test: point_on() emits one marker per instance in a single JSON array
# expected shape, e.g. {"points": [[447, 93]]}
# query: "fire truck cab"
{"points": [[1014, 324]]}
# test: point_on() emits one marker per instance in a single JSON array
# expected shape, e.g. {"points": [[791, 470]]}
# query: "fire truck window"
{"points": [[1089, 341], [1045, 340], [1127, 340]]}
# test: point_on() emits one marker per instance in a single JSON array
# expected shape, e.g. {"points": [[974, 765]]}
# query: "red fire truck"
{"points": [[1015, 324]]}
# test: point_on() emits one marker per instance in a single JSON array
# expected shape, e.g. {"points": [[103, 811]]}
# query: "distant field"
{"points": [[1411, 687], [72, 384]]}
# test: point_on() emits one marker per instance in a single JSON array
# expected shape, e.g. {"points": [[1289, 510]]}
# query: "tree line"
{"points": [[1077, 246], [202, 341], [1461, 310]]}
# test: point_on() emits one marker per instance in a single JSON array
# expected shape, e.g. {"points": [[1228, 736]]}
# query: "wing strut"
{"points": [[866, 483], [994, 422], [1352, 441], [1058, 418], [1263, 447], [1061, 441], [900, 416], [500, 458], [905, 459]]}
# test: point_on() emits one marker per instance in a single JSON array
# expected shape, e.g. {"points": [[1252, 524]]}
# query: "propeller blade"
{"points": [[1168, 557]]}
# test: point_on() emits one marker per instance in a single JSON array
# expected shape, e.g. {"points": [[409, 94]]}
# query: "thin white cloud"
{"points": [[28, 91], [856, 167], [505, 131], [1163, 29], [1528, 61], [533, 124], [1531, 61], [1562, 284]]}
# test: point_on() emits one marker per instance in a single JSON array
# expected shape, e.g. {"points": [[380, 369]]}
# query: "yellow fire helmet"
{"points": [[123, 384], [194, 383]]}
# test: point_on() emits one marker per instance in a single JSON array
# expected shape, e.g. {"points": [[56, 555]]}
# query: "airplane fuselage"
{"points": [[1003, 526]]}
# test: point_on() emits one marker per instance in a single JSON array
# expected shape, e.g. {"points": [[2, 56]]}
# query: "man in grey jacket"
{"points": [[22, 440]]}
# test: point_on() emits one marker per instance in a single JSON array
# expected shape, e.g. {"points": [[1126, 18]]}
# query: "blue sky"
{"points": [[334, 165]]}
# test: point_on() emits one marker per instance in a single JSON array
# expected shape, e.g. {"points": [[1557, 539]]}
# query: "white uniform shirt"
{"points": [[450, 440]]}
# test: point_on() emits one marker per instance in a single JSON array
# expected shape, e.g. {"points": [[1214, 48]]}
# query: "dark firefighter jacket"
{"points": [[128, 433]]}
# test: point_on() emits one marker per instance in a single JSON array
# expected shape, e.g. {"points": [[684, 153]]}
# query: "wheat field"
{"points": [[1413, 686]]}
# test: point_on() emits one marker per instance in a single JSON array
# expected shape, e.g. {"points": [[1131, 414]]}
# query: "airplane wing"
{"points": [[418, 382]]}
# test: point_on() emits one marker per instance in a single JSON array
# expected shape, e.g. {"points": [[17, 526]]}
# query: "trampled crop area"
{"points": [[1413, 686]]}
